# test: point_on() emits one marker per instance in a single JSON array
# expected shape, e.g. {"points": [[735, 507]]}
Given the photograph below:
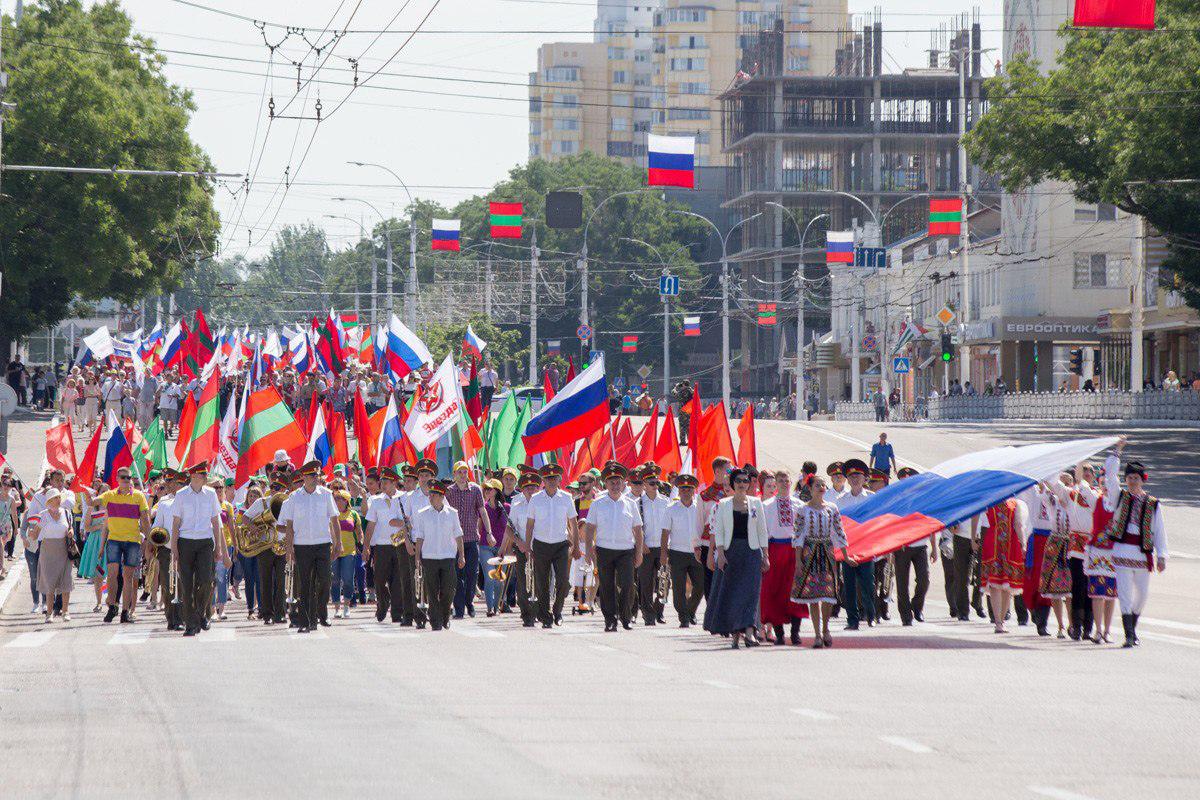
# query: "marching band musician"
{"points": [[679, 549], [196, 538], [313, 539], [271, 564], [652, 506], [172, 480], [385, 517], [613, 536], [438, 535], [249, 564], [552, 527], [515, 538], [412, 502]]}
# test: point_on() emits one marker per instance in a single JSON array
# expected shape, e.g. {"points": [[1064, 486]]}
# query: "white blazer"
{"points": [[756, 529]]}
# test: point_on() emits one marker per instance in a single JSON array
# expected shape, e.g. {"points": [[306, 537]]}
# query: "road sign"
{"points": [[946, 315], [618, 383], [873, 257], [869, 343], [668, 285], [644, 371], [901, 365], [584, 333], [594, 354]]}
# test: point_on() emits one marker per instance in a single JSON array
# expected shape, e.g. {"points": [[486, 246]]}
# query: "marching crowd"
{"points": [[764, 549]]}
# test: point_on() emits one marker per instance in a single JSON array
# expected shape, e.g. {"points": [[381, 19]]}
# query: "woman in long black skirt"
{"points": [[740, 537]]}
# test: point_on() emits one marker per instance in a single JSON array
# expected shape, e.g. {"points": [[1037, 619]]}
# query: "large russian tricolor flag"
{"points": [[391, 437], [117, 453], [404, 352], [839, 247], [446, 234], [320, 447], [173, 344], [576, 412], [472, 344], [671, 161], [954, 491]]}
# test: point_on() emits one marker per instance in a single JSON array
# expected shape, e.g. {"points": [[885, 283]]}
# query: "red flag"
{"points": [[645, 449], [714, 440], [747, 452], [625, 446], [587, 454], [695, 412], [570, 370], [60, 448], [1114, 14], [547, 387], [666, 449], [367, 445], [336, 425], [87, 468], [183, 436]]}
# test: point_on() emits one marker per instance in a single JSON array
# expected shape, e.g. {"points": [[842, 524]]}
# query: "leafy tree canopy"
{"points": [[1117, 117], [87, 91]]}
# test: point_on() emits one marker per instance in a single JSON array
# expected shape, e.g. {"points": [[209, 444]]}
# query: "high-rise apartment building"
{"points": [[660, 67]]}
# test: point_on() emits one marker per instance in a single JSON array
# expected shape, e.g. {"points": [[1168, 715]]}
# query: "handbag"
{"points": [[72, 548]]}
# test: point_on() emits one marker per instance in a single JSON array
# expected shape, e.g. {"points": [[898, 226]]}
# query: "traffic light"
{"points": [[1077, 360], [947, 347]]}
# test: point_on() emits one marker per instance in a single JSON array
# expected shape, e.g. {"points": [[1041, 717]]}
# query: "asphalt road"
{"points": [[488, 708]]}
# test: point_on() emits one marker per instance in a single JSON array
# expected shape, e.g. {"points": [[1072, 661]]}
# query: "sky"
{"points": [[445, 108]]}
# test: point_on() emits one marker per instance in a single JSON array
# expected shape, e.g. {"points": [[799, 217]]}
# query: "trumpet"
{"points": [[173, 583], [662, 588], [422, 604], [289, 580]]}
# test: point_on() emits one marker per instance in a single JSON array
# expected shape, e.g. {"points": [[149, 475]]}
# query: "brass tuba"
{"points": [[159, 536], [254, 535]]}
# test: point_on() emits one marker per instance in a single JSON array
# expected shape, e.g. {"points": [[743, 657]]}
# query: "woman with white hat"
{"points": [[51, 530]]}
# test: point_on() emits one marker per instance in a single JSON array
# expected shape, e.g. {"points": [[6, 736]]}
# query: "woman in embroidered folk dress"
{"points": [[1003, 560], [1055, 582], [818, 535], [1101, 574], [775, 601]]}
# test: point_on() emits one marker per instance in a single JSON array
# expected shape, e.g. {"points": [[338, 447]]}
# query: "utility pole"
{"points": [[964, 242], [855, 367], [171, 310], [410, 290], [725, 328], [583, 283], [374, 286], [487, 284], [533, 309], [1137, 306], [666, 347], [388, 279]]}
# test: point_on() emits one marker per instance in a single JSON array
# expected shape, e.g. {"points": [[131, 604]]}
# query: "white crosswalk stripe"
{"points": [[131, 636], [474, 631], [32, 639]]}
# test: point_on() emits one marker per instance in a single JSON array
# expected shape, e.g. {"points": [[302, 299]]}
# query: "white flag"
{"points": [[100, 343], [436, 409]]}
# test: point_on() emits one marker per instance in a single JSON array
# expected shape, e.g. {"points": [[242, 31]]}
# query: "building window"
{"points": [[703, 137], [641, 102], [564, 147], [535, 127], [641, 80], [688, 113], [687, 14], [749, 17], [616, 54], [797, 64], [1097, 271], [535, 149], [619, 123], [620, 76], [686, 64], [1100, 212], [568, 101], [798, 39], [620, 149], [620, 100], [561, 74], [692, 87], [644, 126], [566, 124], [692, 42], [800, 16]]}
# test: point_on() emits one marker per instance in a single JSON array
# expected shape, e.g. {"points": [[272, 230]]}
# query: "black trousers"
{"points": [[522, 586], [547, 557], [959, 572], [647, 578], [312, 583], [685, 567], [708, 573], [918, 559], [195, 578], [386, 559], [1081, 604], [615, 585], [441, 578], [270, 575], [171, 608]]}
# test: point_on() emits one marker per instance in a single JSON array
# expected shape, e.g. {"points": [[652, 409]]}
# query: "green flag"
{"points": [[156, 440], [500, 437], [516, 452]]}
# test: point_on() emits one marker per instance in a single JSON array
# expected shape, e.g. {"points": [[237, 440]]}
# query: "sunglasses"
{"points": [[741, 482], [124, 478]]}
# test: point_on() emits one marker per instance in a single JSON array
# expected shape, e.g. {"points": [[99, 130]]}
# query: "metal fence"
{"points": [[1116, 405]]}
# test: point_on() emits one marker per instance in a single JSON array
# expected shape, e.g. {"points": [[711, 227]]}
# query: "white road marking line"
{"points": [[813, 713], [1058, 794], [1166, 637], [721, 685], [131, 636], [218, 635], [32, 639], [1177, 554], [906, 744], [385, 631], [475, 632], [654, 665], [1169, 623], [603, 648], [858, 443], [9, 584]]}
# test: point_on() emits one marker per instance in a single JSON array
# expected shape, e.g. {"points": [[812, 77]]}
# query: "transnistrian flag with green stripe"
{"points": [[267, 426], [766, 314], [506, 220], [206, 425], [629, 344], [945, 217]]}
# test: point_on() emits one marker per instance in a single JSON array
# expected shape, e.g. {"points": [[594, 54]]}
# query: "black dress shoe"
{"points": [[529, 623], [683, 623], [918, 616], [649, 621], [268, 621], [625, 624], [470, 612], [124, 617], [547, 625], [851, 626], [906, 623], [111, 614], [609, 627], [965, 618], [325, 623], [190, 632], [302, 629]]}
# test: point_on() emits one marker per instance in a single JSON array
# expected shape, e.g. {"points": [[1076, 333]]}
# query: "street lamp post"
{"points": [[724, 293], [583, 254], [410, 286], [801, 388], [666, 315], [374, 270]]}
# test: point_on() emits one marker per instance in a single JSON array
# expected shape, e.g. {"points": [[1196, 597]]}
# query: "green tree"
{"points": [[87, 91], [1117, 117]]}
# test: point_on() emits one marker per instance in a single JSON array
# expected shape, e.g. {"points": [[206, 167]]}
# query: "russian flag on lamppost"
{"points": [[839, 247], [671, 161], [446, 234]]}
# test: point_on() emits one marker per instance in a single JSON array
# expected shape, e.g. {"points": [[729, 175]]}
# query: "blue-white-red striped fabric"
{"points": [[446, 234], [671, 161], [576, 412]]}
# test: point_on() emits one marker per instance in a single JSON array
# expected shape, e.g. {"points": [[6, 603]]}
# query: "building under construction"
{"points": [[862, 147]]}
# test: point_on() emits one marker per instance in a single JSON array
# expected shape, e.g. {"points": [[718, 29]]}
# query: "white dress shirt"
{"points": [[382, 508], [438, 532], [518, 514], [163, 516], [310, 514], [654, 515], [614, 521], [550, 514], [413, 502], [682, 524], [195, 511]]}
